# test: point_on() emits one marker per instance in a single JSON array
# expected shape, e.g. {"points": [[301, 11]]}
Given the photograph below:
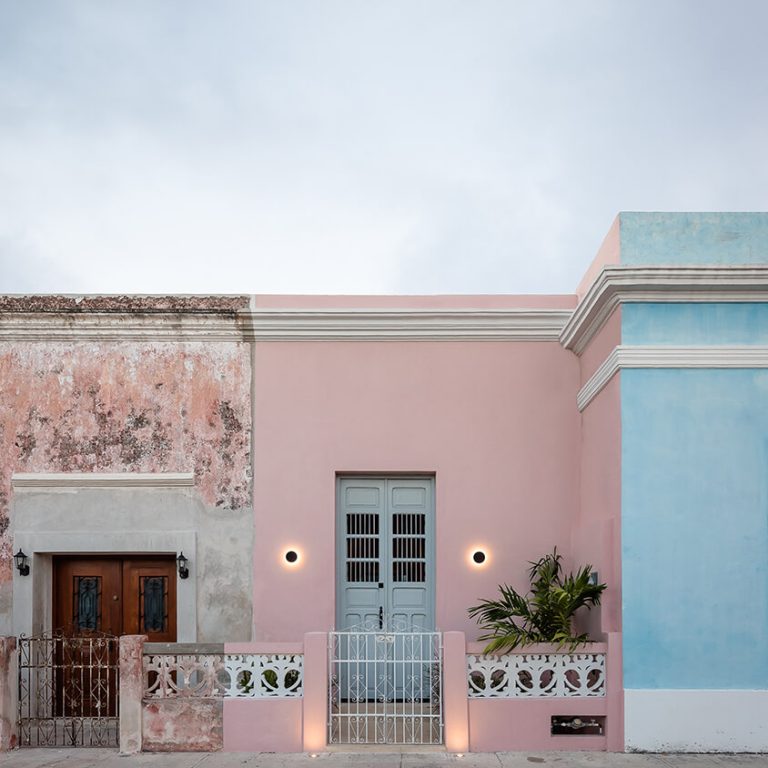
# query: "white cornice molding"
{"points": [[409, 324], [102, 480], [291, 325], [669, 357], [118, 326], [616, 285]]}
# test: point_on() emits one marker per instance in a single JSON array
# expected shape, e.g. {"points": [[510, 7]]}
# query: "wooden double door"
{"points": [[104, 595]]}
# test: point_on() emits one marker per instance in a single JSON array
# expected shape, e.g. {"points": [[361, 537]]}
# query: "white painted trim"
{"points": [[409, 324], [291, 325], [669, 357], [598, 380], [617, 284], [696, 720], [106, 480]]}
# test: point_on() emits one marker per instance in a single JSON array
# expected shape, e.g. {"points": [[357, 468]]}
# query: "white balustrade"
{"points": [[536, 675], [236, 675]]}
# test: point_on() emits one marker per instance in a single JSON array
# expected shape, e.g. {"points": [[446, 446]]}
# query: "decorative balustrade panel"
{"points": [[212, 675], [531, 675]]}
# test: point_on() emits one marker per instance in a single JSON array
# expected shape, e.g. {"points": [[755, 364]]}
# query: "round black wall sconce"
{"points": [[478, 557], [291, 556]]}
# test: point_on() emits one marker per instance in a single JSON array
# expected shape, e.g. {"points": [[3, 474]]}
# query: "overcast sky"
{"points": [[366, 146]]}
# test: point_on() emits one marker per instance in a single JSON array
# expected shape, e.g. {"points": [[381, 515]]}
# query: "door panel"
{"points": [[88, 596], [87, 603], [411, 537], [149, 587], [361, 551]]}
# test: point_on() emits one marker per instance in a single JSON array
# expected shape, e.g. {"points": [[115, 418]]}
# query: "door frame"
{"points": [[36, 529], [431, 541], [33, 594]]}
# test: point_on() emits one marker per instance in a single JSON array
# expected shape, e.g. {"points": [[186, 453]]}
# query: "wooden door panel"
{"points": [[87, 606], [87, 596], [149, 590]]}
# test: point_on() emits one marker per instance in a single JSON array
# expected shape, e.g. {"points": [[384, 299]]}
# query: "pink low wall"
{"points": [[522, 724], [501, 725], [263, 725], [269, 724], [471, 724]]}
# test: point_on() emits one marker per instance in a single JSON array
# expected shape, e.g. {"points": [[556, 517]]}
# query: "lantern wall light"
{"points": [[22, 562], [183, 565]]}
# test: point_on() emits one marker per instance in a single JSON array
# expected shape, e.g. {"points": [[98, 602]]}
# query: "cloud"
{"points": [[363, 147]]}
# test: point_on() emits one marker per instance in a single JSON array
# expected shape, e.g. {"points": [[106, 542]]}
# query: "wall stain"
{"points": [[126, 407]]}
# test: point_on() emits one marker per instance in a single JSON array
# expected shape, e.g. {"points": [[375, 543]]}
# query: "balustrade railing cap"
{"points": [[476, 648], [181, 648]]}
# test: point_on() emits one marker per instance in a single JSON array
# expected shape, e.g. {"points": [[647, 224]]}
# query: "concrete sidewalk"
{"points": [[107, 758]]}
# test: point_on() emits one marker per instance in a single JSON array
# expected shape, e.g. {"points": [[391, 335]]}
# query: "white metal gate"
{"points": [[385, 687]]}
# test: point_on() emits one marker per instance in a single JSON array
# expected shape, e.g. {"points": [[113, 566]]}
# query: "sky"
{"points": [[365, 146]]}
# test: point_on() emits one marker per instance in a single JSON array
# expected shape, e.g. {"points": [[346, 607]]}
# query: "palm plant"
{"points": [[545, 614]]}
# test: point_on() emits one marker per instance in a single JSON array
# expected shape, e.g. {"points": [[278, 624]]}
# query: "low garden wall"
{"points": [[544, 698], [273, 697]]}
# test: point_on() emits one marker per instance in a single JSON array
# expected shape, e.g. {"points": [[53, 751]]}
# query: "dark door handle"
{"points": [[381, 617]]}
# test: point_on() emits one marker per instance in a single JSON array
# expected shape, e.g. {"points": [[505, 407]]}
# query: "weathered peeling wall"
{"points": [[135, 406], [183, 725]]}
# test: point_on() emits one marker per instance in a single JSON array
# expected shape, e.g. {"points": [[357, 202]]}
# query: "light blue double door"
{"points": [[385, 554], [385, 647]]}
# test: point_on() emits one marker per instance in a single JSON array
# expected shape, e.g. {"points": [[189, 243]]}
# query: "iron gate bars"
{"points": [[385, 688], [68, 691]]}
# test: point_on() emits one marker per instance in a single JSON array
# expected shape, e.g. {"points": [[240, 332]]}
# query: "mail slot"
{"points": [[578, 725]]}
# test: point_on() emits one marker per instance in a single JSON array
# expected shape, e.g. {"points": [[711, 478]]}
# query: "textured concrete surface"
{"points": [[134, 406], [104, 758]]}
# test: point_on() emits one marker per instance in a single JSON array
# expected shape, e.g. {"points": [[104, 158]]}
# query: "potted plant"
{"points": [[545, 614]]}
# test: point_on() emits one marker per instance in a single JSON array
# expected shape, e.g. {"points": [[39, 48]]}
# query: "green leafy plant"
{"points": [[545, 614]]}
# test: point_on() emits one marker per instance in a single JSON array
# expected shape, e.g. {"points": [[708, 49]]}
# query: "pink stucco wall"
{"points": [[601, 345], [597, 526], [495, 422], [609, 253]]}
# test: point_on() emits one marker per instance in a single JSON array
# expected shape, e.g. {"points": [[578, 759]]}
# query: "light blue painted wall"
{"points": [[695, 528], [694, 324], [694, 238], [695, 471]]}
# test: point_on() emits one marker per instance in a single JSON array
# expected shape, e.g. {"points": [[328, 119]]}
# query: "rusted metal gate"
{"points": [[68, 691], [385, 687]]}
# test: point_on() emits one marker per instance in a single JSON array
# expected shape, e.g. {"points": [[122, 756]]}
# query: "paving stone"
{"points": [[102, 758]]}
